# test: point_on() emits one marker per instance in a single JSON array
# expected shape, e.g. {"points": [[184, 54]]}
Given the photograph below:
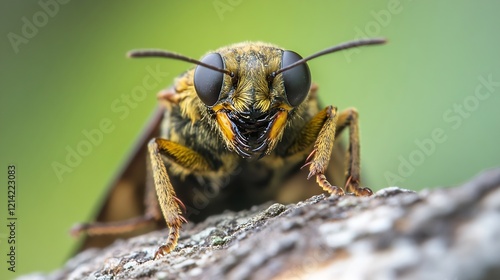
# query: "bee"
{"points": [[242, 127]]}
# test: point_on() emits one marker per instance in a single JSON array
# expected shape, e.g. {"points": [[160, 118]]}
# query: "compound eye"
{"points": [[208, 82], [297, 80]]}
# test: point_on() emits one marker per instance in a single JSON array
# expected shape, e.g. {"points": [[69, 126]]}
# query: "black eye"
{"points": [[208, 82], [297, 80]]}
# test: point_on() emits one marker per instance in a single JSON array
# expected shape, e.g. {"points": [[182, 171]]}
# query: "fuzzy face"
{"points": [[252, 107]]}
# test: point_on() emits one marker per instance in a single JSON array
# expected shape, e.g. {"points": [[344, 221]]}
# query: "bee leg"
{"points": [[349, 118], [319, 158], [170, 205], [321, 131], [102, 228]]}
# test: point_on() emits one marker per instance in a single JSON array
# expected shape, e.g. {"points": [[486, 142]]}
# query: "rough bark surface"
{"points": [[447, 233]]}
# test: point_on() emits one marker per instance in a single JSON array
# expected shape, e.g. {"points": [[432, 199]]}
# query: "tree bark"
{"points": [[445, 233]]}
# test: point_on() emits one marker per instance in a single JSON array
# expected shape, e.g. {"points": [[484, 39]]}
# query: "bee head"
{"points": [[252, 103], [252, 89]]}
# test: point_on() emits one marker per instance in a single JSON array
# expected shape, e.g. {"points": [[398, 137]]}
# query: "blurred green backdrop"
{"points": [[428, 100]]}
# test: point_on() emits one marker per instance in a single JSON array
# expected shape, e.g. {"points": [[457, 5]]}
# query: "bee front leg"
{"points": [[321, 130], [170, 205], [319, 158]]}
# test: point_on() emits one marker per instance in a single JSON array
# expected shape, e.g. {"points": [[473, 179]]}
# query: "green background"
{"points": [[65, 78]]}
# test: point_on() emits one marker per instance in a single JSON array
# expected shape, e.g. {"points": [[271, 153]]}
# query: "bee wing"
{"points": [[125, 195]]}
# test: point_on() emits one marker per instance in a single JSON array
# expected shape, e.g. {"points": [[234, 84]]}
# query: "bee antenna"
{"points": [[167, 54], [343, 46]]}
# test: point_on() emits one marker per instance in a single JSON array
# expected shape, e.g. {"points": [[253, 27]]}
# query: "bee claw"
{"points": [[308, 159], [161, 251], [183, 219], [305, 165], [352, 186], [179, 202]]}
